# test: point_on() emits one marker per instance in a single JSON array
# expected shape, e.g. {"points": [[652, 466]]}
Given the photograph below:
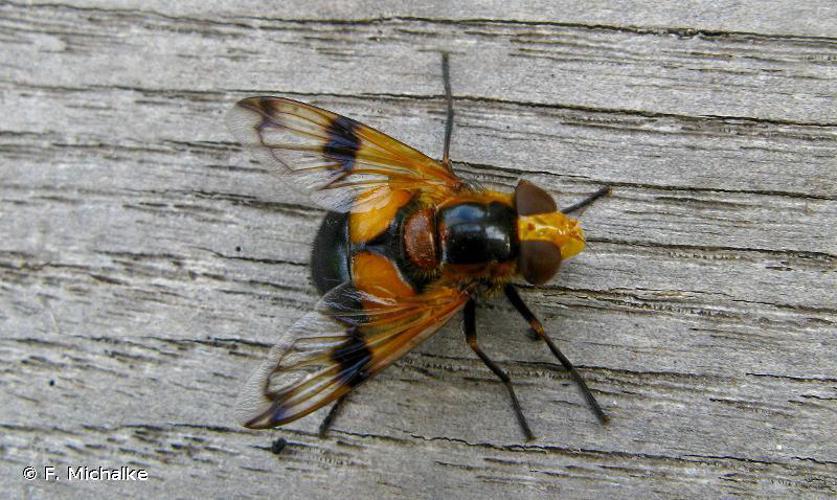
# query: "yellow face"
{"points": [[555, 227]]}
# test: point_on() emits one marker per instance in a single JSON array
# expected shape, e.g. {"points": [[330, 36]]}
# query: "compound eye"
{"points": [[538, 261], [529, 199]]}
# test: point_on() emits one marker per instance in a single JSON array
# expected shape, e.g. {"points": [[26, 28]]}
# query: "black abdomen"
{"points": [[333, 250], [330, 257], [476, 233]]}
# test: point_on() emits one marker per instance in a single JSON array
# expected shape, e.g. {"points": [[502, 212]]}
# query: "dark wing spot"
{"points": [[352, 357], [269, 116], [343, 143]]}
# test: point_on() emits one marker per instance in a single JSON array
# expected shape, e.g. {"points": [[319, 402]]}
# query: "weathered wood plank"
{"points": [[775, 17], [737, 75], [146, 265]]}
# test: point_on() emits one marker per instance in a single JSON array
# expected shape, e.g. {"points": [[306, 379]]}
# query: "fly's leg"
{"points": [[470, 321], [586, 201], [537, 328], [449, 100], [332, 413]]}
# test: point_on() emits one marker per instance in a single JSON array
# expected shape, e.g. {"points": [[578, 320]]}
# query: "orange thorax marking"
{"points": [[378, 276], [380, 206]]}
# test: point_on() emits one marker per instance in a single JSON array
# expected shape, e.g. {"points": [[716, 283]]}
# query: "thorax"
{"points": [[406, 244]]}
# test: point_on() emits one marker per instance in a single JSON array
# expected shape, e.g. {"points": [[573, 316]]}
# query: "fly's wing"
{"points": [[350, 336], [333, 157]]}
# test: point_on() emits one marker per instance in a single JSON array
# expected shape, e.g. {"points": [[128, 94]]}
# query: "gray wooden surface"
{"points": [[147, 265]]}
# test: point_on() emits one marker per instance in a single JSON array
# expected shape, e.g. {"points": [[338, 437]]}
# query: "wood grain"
{"points": [[147, 265]]}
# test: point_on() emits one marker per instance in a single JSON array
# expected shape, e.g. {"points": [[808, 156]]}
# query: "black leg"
{"points": [[586, 201], [449, 99], [537, 327], [329, 419], [471, 336]]}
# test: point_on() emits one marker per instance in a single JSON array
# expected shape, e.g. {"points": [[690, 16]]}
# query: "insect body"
{"points": [[405, 246], [476, 238]]}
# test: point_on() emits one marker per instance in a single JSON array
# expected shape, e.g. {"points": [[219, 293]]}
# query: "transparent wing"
{"points": [[350, 336], [333, 157]]}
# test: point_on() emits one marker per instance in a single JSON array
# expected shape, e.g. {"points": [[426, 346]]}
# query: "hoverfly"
{"points": [[406, 244]]}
